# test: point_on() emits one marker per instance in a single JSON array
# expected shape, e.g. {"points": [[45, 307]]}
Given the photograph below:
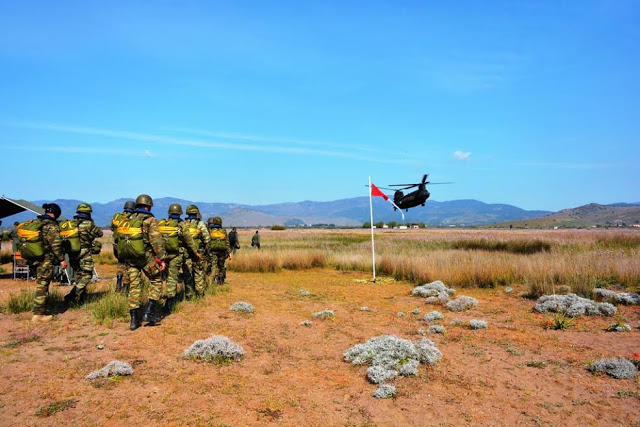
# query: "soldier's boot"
{"points": [[71, 296], [136, 318], [168, 306], [150, 315], [41, 318], [82, 296], [119, 286]]}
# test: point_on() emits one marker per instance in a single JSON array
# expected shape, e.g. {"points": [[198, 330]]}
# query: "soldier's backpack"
{"points": [[70, 237], [30, 241], [130, 242], [171, 234], [196, 233], [218, 240]]}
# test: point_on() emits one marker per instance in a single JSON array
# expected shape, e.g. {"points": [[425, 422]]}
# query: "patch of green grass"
{"points": [[55, 407], [111, 306], [627, 393], [559, 322], [23, 301], [23, 339], [540, 364]]}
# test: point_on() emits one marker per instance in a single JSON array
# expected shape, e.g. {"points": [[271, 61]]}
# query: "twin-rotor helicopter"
{"points": [[413, 199]]}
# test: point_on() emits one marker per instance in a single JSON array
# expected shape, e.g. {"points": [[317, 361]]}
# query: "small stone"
{"points": [[100, 347]]}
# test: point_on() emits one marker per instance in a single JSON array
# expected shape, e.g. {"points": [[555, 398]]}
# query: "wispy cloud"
{"points": [[168, 140], [462, 155], [277, 140], [78, 150]]}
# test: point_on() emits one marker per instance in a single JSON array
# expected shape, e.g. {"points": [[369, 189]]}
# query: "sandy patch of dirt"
{"points": [[295, 375]]}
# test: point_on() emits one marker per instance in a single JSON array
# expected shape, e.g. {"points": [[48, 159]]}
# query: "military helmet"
{"points": [[175, 208], [144, 200], [215, 220], [84, 208], [129, 204], [192, 210], [52, 208]]}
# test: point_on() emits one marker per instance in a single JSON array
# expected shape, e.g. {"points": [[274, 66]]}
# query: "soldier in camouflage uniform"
{"points": [[82, 263], [219, 249], [194, 267], [186, 247], [152, 266], [122, 279], [52, 244]]}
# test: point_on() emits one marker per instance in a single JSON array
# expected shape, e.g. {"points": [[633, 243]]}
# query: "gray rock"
{"points": [[325, 314], [214, 348], [617, 367], [434, 315], [385, 391], [617, 298], [112, 369], [436, 329], [478, 324], [573, 306], [462, 303], [242, 306]]}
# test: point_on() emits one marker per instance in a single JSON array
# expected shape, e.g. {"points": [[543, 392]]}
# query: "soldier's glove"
{"points": [[162, 264], [63, 265]]}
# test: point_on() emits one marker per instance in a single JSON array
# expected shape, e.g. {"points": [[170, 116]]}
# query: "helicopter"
{"points": [[413, 199]]}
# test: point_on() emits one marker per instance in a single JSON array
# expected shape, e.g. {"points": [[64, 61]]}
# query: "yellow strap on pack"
{"points": [[69, 233], [167, 229], [28, 234], [195, 231], [217, 233], [127, 230]]}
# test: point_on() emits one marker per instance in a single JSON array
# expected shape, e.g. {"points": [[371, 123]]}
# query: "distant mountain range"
{"points": [[355, 211], [593, 214], [344, 212]]}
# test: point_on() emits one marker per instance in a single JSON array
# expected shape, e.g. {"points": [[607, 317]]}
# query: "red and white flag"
{"points": [[375, 191]]}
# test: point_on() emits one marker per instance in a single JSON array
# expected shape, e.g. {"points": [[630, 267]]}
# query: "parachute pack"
{"points": [[130, 243], [70, 237], [218, 239], [30, 244], [117, 219], [196, 233], [171, 233]]}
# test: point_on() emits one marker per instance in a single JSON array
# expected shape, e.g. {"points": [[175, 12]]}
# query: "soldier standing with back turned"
{"points": [[220, 249], [179, 243], [141, 245], [82, 261], [122, 279], [194, 267]]}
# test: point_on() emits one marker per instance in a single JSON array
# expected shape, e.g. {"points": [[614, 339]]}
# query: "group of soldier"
{"points": [[159, 250]]}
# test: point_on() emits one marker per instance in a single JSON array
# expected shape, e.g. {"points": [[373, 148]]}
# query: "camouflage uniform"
{"points": [[218, 256], [52, 243], [233, 240], [188, 249], [83, 263], [194, 268], [154, 247], [122, 278]]}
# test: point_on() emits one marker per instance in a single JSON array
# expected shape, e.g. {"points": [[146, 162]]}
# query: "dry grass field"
{"points": [[516, 372]]}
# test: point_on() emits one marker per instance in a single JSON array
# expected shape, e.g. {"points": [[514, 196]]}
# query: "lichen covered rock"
{"points": [[242, 306], [112, 369], [462, 303], [573, 306], [617, 367], [216, 348]]}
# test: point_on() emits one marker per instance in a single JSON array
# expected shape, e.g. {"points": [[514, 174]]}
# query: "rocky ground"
{"points": [[516, 372]]}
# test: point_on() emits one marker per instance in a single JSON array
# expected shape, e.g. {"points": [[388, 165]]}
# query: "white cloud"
{"points": [[148, 153], [462, 155]]}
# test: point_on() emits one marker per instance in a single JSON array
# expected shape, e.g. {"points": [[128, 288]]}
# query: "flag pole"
{"points": [[373, 244]]}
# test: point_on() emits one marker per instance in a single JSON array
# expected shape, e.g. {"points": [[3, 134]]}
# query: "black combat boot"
{"points": [[136, 322], [150, 316], [168, 306], [81, 297], [71, 296], [119, 287]]}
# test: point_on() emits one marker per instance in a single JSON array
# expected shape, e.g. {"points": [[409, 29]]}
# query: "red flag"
{"points": [[375, 191]]}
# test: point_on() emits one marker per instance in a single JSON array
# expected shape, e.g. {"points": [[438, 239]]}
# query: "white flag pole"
{"points": [[373, 244]]}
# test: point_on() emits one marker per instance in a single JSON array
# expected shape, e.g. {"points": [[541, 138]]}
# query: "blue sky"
{"points": [[529, 103]]}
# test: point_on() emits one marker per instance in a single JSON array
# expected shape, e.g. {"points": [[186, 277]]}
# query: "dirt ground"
{"points": [[295, 375]]}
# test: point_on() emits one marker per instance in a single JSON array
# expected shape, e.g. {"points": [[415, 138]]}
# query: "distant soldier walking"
{"points": [[40, 244], [79, 238], [220, 249], [141, 246], [122, 279], [255, 240], [179, 243], [233, 240], [13, 237], [194, 266]]}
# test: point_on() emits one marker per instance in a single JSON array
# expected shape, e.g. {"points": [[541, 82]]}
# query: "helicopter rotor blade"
{"points": [[436, 183], [403, 185], [424, 177], [383, 188]]}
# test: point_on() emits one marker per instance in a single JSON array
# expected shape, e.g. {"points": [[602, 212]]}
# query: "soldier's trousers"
{"points": [[153, 273], [122, 269], [83, 266], [172, 273], [44, 274], [218, 268], [194, 275]]}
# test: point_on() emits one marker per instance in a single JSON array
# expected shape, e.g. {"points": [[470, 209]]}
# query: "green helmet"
{"points": [[84, 208], [129, 204], [175, 209], [215, 220], [144, 200], [192, 210]]}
